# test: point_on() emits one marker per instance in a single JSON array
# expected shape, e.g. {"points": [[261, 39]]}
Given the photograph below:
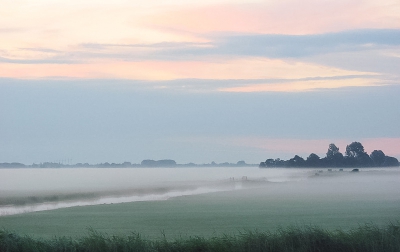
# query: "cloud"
{"points": [[298, 86], [278, 46], [281, 46], [44, 50], [263, 85], [223, 43], [52, 60], [382, 61], [11, 30], [217, 69], [267, 45], [162, 45], [280, 17]]}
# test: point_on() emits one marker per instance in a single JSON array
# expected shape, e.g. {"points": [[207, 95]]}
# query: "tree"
{"points": [[391, 161], [279, 162], [333, 156], [356, 156], [297, 161], [378, 157], [313, 160], [355, 149], [332, 151], [241, 163], [269, 162], [364, 160]]}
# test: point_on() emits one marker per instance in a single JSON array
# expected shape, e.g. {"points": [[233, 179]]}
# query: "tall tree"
{"points": [[378, 157], [297, 161], [313, 160], [355, 149], [333, 156], [332, 151], [391, 161], [356, 155]]}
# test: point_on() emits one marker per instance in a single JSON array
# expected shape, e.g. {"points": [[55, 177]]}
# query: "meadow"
{"points": [[330, 201], [364, 239]]}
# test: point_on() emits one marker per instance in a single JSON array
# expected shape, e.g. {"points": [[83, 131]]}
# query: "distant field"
{"points": [[328, 202]]}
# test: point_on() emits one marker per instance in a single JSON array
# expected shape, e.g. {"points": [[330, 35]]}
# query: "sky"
{"points": [[197, 81]]}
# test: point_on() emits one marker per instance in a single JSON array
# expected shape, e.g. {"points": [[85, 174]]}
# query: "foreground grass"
{"points": [[308, 238]]}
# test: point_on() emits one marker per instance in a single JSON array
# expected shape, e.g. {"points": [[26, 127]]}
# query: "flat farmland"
{"points": [[341, 200]]}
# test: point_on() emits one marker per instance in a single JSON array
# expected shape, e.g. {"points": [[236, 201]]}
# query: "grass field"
{"points": [[366, 238], [329, 203]]}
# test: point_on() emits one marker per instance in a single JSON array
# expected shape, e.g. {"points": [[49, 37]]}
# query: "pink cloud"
{"points": [[281, 17], [299, 86], [124, 70], [240, 68]]}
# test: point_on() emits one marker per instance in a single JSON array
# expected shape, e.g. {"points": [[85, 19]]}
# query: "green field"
{"points": [[329, 203]]}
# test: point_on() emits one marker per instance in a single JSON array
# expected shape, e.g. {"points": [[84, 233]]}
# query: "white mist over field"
{"points": [[28, 190]]}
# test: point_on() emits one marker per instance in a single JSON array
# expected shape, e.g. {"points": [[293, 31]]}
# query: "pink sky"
{"points": [[56, 30], [281, 17], [287, 148]]}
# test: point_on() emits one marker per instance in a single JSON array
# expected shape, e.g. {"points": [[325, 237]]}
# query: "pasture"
{"points": [[330, 202]]}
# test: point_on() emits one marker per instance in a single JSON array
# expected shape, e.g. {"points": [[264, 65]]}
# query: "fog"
{"points": [[28, 190]]}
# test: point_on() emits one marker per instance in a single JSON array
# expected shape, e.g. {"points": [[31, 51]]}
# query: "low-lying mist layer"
{"points": [[23, 204], [27, 190], [48, 197]]}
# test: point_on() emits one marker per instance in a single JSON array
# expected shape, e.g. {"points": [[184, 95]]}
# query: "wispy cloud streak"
{"points": [[223, 41], [268, 45]]}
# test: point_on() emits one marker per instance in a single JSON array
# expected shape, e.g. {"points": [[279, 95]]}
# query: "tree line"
{"points": [[355, 156], [147, 163]]}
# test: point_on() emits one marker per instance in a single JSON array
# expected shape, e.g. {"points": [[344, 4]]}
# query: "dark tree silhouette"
{"points": [[313, 160], [364, 160], [390, 161], [378, 157], [332, 151], [270, 162], [355, 157], [297, 161], [355, 149], [333, 156]]}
